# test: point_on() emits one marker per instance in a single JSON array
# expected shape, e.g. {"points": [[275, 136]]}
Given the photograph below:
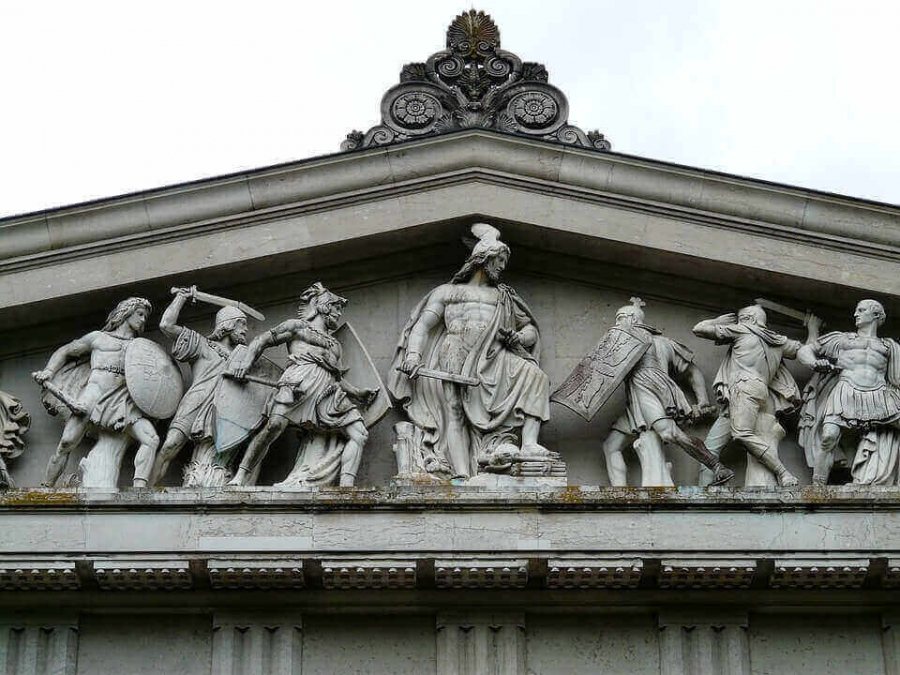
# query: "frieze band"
{"points": [[466, 376]]}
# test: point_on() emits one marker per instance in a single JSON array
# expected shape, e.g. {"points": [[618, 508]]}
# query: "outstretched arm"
{"points": [[270, 338], [73, 350]]}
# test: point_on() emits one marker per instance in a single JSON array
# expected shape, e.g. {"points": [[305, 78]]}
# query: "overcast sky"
{"points": [[106, 97]]}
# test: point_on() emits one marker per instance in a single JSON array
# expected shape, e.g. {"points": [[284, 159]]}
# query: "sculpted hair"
{"points": [[125, 309], [878, 309]]}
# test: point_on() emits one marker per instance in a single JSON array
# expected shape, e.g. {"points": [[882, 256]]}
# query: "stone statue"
{"points": [[14, 423], [112, 383], [466, 370], [754, 388], [194, 419], [311, 394], [855, 388], [656, 406]]}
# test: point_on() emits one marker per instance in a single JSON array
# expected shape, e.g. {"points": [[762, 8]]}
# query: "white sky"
{"points": [[105, 97]]}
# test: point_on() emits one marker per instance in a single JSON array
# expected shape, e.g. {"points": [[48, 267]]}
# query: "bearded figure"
{"points": [[466, 370]]}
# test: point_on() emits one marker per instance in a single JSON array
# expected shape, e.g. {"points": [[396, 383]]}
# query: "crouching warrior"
{"points": [[656, 406], [311, 394], [111, 383]]}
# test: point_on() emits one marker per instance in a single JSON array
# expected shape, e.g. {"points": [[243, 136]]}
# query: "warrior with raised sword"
{"points": [[208, 357]]}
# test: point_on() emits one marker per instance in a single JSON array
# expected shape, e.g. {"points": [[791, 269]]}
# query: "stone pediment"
{"points": [[332, 210]]}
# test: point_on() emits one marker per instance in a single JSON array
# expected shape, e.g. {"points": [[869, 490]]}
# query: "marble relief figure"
{"points": [[755, 389], [110, 384], [855, 390], [207, 357], [14, 424], [312, 394], [656, 407], [466, 371]]}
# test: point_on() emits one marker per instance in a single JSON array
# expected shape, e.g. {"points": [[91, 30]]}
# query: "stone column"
{"points": [[39, 645], [262, 643], [890, 642], [703, 643], [475, 643]]}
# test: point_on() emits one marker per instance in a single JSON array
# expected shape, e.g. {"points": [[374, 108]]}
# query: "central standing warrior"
{"points": [[194, 418], [656, 406], [312, 393], [477, 346], [753, 385]]}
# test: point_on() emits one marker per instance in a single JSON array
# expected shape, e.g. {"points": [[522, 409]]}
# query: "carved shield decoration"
{"points": [[240, 406], [600, 373], [153, 379], [361, 373]]}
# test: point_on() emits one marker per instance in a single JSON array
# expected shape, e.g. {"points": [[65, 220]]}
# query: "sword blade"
{"points": [[449, 377], [781, 309], [228, 302]]}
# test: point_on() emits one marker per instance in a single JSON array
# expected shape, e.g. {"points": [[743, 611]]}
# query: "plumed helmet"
{"points": [[634, 309], [227, 314], [488, 240]]}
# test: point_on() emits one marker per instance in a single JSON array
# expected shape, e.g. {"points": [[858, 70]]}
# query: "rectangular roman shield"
{"points": [[600, 373]]}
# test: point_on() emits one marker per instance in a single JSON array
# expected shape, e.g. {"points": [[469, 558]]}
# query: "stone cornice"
{"points": [[265, 192]]}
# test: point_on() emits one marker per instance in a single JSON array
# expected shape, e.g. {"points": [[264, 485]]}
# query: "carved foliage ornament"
{"points": [[474, 84]]}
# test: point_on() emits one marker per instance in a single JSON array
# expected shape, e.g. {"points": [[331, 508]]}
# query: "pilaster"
{"points": [[257, 644], [39, 645], [475, 643], [890, 642], [703, 643]]}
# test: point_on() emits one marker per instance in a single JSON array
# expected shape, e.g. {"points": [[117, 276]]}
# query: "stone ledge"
{"points": [[403, 498]]}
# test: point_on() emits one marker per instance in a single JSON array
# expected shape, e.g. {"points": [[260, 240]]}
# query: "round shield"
{"points": [[153, 379]]}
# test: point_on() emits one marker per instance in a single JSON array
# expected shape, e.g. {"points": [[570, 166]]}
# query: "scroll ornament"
{"points": [[474, 84]]}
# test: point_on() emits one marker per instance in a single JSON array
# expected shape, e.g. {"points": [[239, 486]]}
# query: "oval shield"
{"points": [[153, 379]]}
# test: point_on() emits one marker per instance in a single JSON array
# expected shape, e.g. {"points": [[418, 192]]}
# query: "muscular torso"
{"points": [[468, 310], [863, 361], [107, 365]]}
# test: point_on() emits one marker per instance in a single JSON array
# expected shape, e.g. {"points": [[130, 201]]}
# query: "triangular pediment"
{"points": [[307, 216]]}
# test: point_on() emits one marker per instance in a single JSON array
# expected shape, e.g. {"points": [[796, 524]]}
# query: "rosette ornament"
{"points": [[473, 83]]}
